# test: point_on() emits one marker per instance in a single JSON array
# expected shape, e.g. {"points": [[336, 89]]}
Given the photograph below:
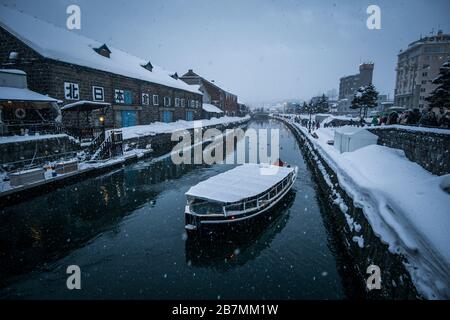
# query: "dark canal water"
{"points": [[126, 232]]}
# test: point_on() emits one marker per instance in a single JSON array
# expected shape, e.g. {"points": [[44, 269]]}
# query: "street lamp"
{"points": [[101, 118]]}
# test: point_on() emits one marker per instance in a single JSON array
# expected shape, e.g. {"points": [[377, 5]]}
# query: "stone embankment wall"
{"points": [[396, 282]]}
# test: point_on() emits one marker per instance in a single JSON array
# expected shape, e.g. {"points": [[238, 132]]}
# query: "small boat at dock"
{"points": [[239, 194]]}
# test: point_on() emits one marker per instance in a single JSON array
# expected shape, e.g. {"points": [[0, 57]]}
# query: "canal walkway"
{"points": [[394, 193]]}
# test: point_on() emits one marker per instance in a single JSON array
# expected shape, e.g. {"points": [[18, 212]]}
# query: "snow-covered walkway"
{"points": [[407, 207]]}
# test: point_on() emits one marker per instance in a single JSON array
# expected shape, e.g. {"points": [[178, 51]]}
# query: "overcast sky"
{"points": [[260, 50]]}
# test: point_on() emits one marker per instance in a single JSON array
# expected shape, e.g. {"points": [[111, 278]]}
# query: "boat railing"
{"points": [[259, 202]]}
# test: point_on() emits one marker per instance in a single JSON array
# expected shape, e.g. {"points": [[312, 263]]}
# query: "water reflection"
{"points": [[125, 231], [46, 228], [226, 247]]}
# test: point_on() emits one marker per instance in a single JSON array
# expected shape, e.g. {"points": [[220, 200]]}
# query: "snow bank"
{"points": [[161, 127], [407, 207], [413, 128]]}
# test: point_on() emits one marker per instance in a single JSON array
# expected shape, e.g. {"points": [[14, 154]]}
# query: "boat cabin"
{"points": [[237, 194]]}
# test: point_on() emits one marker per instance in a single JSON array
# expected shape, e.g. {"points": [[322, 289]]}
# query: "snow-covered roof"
{"points": [[211, 108], [351, 131], [91, 104], [15, 139], [68, 46], [21, 94], [245, 181], [13, 71]]}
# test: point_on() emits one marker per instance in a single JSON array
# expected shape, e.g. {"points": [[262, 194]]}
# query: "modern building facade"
{"points": [[417, 66], [212, 93], [349, 84], [86, 75]]}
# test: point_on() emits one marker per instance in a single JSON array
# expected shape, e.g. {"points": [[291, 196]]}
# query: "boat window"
{"points": [[235, 207], [250, 204], [273, 192], [264, 197], [206, 208]]}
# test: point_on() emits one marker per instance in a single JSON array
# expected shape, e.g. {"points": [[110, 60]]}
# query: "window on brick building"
{"points": [[167, 101], [183, 102], [155, 100], [177, 102], [145, 99], [128, 96]]}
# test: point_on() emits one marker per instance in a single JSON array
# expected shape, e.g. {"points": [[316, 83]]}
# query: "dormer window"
{"points": [[148, 66], [175, 76], [103, 51]]}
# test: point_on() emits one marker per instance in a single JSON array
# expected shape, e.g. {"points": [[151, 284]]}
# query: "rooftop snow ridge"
{"points": [[67, 46]]}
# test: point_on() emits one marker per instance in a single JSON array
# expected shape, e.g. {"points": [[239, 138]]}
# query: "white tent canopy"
{"points": [[348, 139], [20, 94]]}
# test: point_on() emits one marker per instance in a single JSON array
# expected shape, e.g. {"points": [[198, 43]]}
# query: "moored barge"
{"points": [[236, 195]]}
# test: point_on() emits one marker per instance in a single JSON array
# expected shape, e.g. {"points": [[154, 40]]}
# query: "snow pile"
{"points": [[161, 127], [68, 46], [406, 206]]}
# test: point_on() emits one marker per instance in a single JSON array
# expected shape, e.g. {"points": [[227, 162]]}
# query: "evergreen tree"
{"points": [[369, 98], [357, 100], [322, 105], [440, 97], [365, 98], [304, 108]]}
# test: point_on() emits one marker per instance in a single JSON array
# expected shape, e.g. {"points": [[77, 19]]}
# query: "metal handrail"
{"points": [[258, 199]]}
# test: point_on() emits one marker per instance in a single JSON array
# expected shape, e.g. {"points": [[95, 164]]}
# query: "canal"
{"points": [[125, 230]]}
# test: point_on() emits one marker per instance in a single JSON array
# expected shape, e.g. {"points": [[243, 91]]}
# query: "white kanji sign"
{"points": [[119, 96], [71, 91], [98, 94]]}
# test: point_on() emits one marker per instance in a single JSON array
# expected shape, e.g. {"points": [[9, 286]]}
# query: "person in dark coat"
{"points": [[392, 118]]}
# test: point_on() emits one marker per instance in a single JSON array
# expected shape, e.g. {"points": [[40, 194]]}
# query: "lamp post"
{"points": [[101, 118]]}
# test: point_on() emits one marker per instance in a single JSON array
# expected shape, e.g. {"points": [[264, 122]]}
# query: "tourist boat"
{"points": [[239, 194]]}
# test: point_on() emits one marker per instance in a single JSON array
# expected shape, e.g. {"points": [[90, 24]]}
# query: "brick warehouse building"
{"points": [[90, 76], [212, 93]]}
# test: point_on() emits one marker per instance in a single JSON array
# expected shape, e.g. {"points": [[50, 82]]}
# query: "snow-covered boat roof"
{"points": [[242, 182], [68, 46], [21, 94], [211, 108]]}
